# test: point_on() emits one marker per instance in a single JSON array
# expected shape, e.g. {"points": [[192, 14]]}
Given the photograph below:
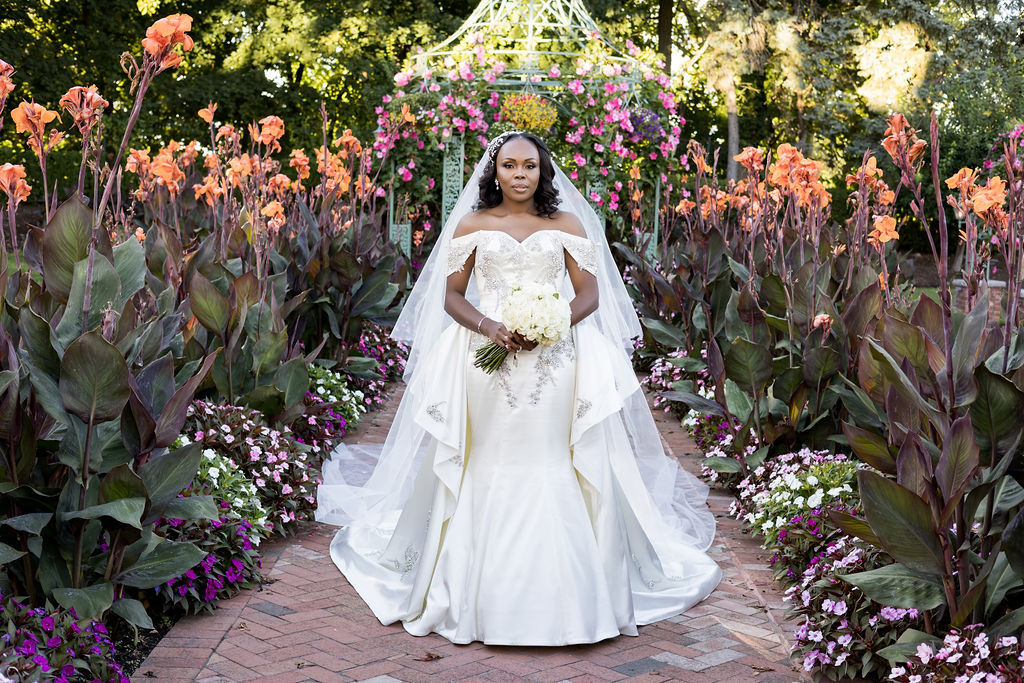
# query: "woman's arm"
{"points": [[465, 313], [584, 282]]}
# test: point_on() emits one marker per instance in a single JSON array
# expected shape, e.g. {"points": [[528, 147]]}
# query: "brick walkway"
{"points": [[310, 625]]}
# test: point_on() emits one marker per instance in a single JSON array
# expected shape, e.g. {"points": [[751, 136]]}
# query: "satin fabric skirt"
{"points": [[514, 533]]}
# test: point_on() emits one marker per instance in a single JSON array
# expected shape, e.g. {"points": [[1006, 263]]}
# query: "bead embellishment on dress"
{"points": [[550, 359], [434, 411], [582, 408], [639, 570], [412, 556]]}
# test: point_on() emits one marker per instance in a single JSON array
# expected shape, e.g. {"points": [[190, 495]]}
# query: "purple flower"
{"points": [[47, 623]]}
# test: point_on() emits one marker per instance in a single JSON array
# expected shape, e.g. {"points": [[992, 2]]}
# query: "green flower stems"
{"points": [[490, 357]]}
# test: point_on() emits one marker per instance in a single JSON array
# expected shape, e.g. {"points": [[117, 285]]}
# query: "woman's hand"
{"points": [[524, 343], [499, 334]]}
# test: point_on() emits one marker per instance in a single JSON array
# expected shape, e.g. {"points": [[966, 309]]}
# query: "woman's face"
{"points": [[518, 169]]}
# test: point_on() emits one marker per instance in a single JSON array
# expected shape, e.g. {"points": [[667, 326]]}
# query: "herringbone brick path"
{"points": [[310, 625]]}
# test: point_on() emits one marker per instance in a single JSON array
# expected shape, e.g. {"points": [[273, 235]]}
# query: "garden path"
{"points": [[309, 624]]}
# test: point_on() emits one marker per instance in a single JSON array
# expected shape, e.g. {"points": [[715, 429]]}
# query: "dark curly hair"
{"points": [[545, 199]]}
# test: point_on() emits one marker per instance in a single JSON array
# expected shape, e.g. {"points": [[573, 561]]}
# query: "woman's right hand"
{"points": [[499, 334]]}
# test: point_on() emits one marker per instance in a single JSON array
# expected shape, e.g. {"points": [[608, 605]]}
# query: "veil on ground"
{"points": [[370, 483]]}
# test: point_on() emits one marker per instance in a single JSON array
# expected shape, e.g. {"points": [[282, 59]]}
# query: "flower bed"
{"points": [[47, 644]]}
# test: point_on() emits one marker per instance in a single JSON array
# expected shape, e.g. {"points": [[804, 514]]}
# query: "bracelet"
{"points": [[480, 323]]}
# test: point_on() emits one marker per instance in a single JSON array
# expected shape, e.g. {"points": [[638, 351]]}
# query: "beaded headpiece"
{"points": [[494, 145]]}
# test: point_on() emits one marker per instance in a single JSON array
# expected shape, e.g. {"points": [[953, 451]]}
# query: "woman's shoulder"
{"points": [[472, 222], [569, 223]]}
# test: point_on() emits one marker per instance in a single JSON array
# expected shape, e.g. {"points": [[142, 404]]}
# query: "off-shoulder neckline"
{"points": [[522, 241]]}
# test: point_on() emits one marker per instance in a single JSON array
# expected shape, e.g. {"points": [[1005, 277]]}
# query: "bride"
{"points": [[534, 505]]}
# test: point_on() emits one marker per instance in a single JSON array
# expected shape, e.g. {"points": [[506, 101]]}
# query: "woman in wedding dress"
{"points": [[534, 505]]}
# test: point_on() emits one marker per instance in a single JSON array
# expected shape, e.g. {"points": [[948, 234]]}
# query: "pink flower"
{"points": [[402, 79], [286, 489]]}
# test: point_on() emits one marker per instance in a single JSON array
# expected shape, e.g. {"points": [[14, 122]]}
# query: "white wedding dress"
{"points": [[529, 522]]}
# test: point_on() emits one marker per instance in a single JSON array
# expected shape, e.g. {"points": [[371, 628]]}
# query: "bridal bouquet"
{"points": [[535, 311]]}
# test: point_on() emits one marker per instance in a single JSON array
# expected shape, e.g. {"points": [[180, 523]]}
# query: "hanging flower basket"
{"points": [[530, 112]]}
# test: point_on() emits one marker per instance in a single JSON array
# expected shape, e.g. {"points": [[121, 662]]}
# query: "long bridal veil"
{"points": [[370, 483]]}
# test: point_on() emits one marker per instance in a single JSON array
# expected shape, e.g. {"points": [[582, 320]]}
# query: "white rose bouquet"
{"points": [[535, 311]]}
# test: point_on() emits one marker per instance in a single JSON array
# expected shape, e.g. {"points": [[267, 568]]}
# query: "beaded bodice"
{"points": [[503, 262]]}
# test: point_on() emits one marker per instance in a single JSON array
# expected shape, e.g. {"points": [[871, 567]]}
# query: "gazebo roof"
{"points": [[523, 33]]}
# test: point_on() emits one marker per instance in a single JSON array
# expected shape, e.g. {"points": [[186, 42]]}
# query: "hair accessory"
{"points": [[496, 143]]}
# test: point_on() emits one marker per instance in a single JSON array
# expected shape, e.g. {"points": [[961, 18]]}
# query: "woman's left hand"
{"points": [[524, 343]]}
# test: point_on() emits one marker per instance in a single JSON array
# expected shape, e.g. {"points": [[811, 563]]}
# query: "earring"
{"points": [[497, 185]]}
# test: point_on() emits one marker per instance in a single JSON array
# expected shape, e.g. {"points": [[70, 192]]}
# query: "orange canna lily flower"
{"points": [[349, 141], [300, 162], [85, 105], [138, 161], [407, 116], [279, 184], [209, 190], [751, 158], [166, 33], [12, 182], [993, 194], [227, 131], [272, 128], [206, 113], [140, 235], [886, 197], [32, 118], [962, 179], [885, 230]]}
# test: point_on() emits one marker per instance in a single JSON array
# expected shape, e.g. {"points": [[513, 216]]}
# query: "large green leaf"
{"points": [[9, 554], [373, 291], [719, 464], [93, 379], [695, 402], [105, 293], [870, 447], [737, 401], [820, 363], [90, 602], [209, 306], [959, 459], [996, 414], [1009, 624], [132, 611], [293, 379], [130, 264], [168, 474], [65, 243], [902, 521], [749, 365], [1000, 581], [30, 523], [862, 309], [121, 482], [906, 644], [966, 345], [906, 387], [191, 507], [172, 416], [1013, 543], [899, 586], [127, 511], [904, 340], [664, 334], [166, 561], [35, 339], [854, 526]]}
